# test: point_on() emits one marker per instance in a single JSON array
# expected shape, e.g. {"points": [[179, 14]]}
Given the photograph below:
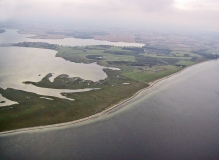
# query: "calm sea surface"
{"points": [[178, 118]]}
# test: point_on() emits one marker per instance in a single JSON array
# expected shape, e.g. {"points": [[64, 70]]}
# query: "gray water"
{"points": [[6, 37], [19, 64], [175, 119], [6, 101]]}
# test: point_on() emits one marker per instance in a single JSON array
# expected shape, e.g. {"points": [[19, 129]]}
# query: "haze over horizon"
{"points": [[202, 14]]}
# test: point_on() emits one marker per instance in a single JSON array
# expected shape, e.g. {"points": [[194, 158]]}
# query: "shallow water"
{"points": [[176, 119], [19, 64], [6, 101]]}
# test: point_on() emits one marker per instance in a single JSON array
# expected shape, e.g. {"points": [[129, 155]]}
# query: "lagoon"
{"points": [[20, 64]]}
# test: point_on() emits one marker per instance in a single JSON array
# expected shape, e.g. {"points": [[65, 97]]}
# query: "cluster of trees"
{"points": [[120, 52], [134, 49], [157, 50], [95, 57], [146, 61], [79, 34], [206, 54], [37, 45], [85, 34], [97, 47]]}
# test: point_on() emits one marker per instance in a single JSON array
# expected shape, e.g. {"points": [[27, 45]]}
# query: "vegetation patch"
{"points": [[185, 63], [95, 57], [151, 74]]}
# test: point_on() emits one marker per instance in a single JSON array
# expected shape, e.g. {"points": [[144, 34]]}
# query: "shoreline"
{"points": [[151, 84]]}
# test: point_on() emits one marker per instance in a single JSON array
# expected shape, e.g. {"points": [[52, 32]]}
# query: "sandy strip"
{"points": [[151, 84]]}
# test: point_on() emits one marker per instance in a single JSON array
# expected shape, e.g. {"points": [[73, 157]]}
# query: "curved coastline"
{"points": [[151, 84]]}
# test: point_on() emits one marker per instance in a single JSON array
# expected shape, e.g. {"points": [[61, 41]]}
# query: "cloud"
{"points": [[152, 6], [108, 5], [7, 9], [197, 4], [138, 12]]}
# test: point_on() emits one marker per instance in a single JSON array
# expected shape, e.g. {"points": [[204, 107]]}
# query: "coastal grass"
{"points": [[182, 53], [151, 74], [166, 56], [185, 63], [110, 57], [35, 111]]}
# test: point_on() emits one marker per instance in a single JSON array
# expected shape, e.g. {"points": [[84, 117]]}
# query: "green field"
{"points": [[152, 73], [185, 63]]}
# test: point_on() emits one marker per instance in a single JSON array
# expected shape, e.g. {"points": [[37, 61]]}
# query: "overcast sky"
{"points": [[196, 13]]}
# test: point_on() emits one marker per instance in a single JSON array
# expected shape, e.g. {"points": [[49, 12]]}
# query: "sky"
{"points": [[176, 13]]}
